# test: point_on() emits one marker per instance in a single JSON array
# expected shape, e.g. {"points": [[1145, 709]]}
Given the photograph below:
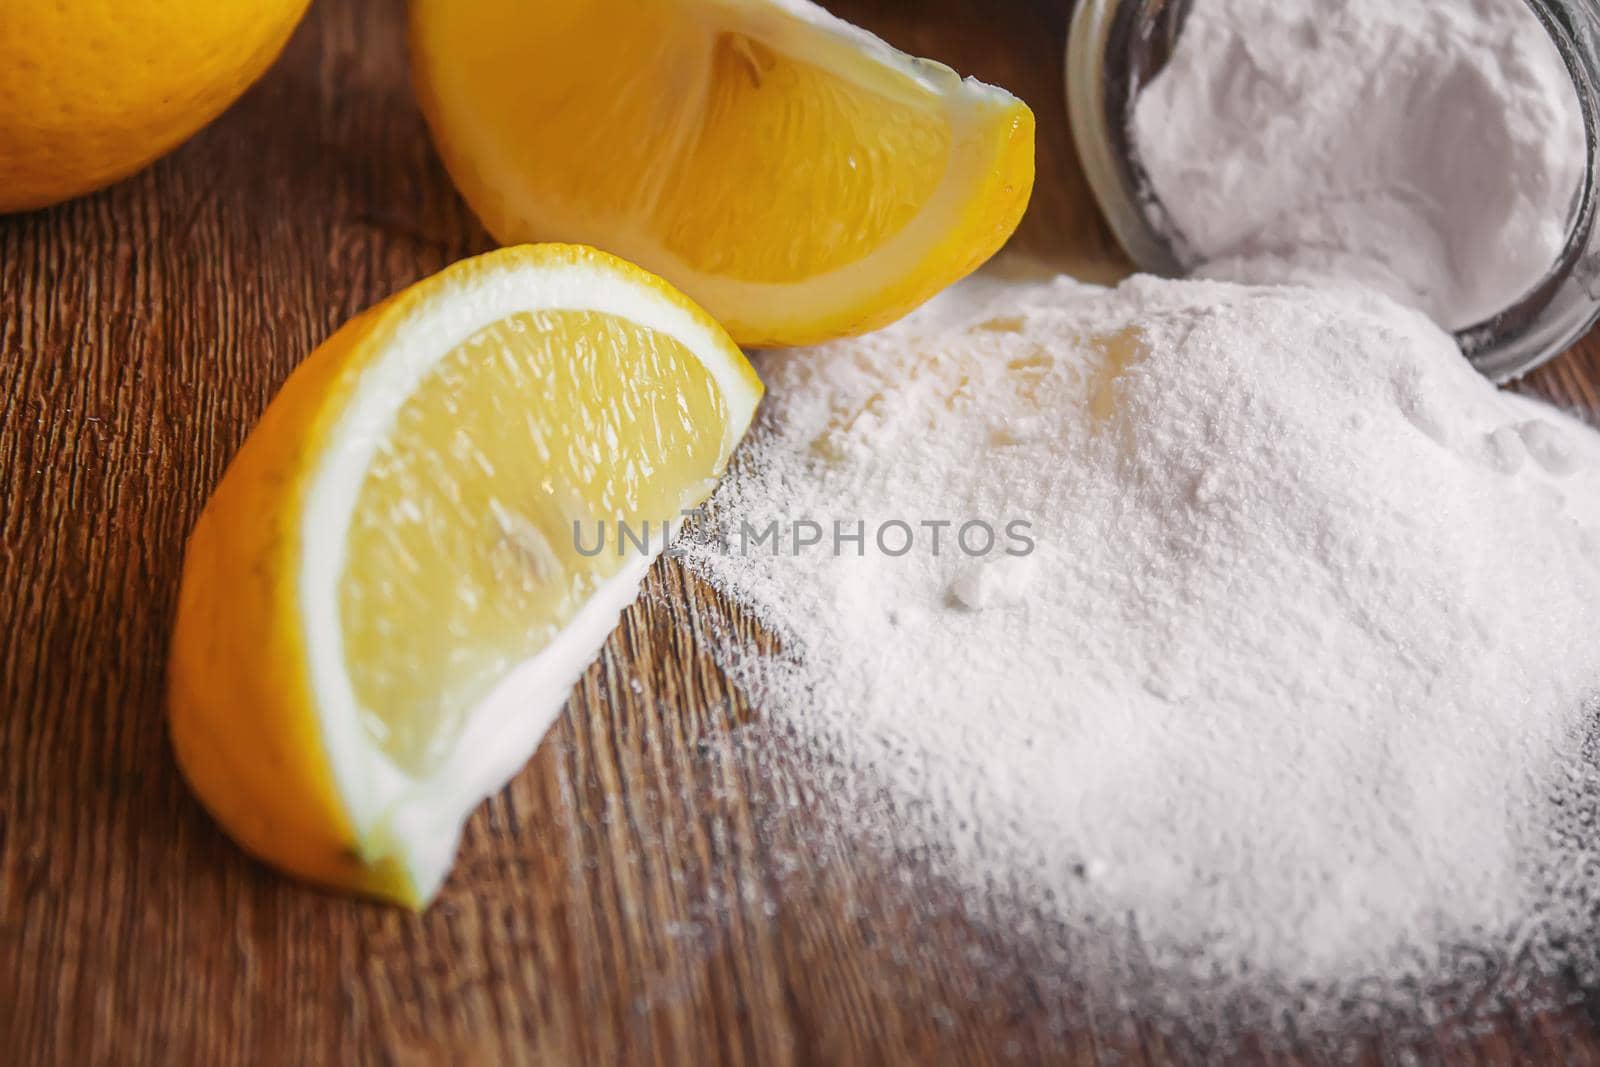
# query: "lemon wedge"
{"points": [[399, 578], [798, 177]]}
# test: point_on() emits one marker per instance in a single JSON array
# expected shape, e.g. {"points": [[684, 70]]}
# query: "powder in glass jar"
{"points": [[1432, 151]]}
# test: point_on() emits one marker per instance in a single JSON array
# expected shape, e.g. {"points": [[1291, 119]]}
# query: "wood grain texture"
{"points": [[663, 884]]}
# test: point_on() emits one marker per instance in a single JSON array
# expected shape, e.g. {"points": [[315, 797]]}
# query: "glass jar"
{"points": [[1116, 47]]}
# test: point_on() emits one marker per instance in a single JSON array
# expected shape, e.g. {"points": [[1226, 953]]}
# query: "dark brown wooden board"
{"points": [[648, 890]]}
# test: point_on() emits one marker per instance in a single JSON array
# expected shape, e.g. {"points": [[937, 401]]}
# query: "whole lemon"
{"points": [[92, 90]]}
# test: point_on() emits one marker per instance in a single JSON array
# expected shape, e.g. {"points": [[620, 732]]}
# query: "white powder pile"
{"points": [[1433, 151], [1296, 669]]}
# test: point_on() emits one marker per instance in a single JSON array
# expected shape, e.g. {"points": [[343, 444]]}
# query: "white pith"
{"points": [[801, 30], [393, 813]]}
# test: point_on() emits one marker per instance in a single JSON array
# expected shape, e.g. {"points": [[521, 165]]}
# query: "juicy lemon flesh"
{"points": [[809, 139], [738, 160], [463, 557]]}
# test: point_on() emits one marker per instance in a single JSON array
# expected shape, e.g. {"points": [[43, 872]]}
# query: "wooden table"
{"points": [[642, 892]]}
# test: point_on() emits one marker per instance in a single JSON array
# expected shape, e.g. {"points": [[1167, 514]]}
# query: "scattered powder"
{"points": [[1247, 628], [1294, 681], [1433, 151]]}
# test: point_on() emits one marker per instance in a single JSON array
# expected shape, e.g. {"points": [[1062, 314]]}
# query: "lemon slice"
{"points": [[400, 576], [795, 175]]}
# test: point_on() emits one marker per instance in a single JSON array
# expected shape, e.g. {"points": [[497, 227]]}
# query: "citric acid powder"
{"points": [[1296, 683]]}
